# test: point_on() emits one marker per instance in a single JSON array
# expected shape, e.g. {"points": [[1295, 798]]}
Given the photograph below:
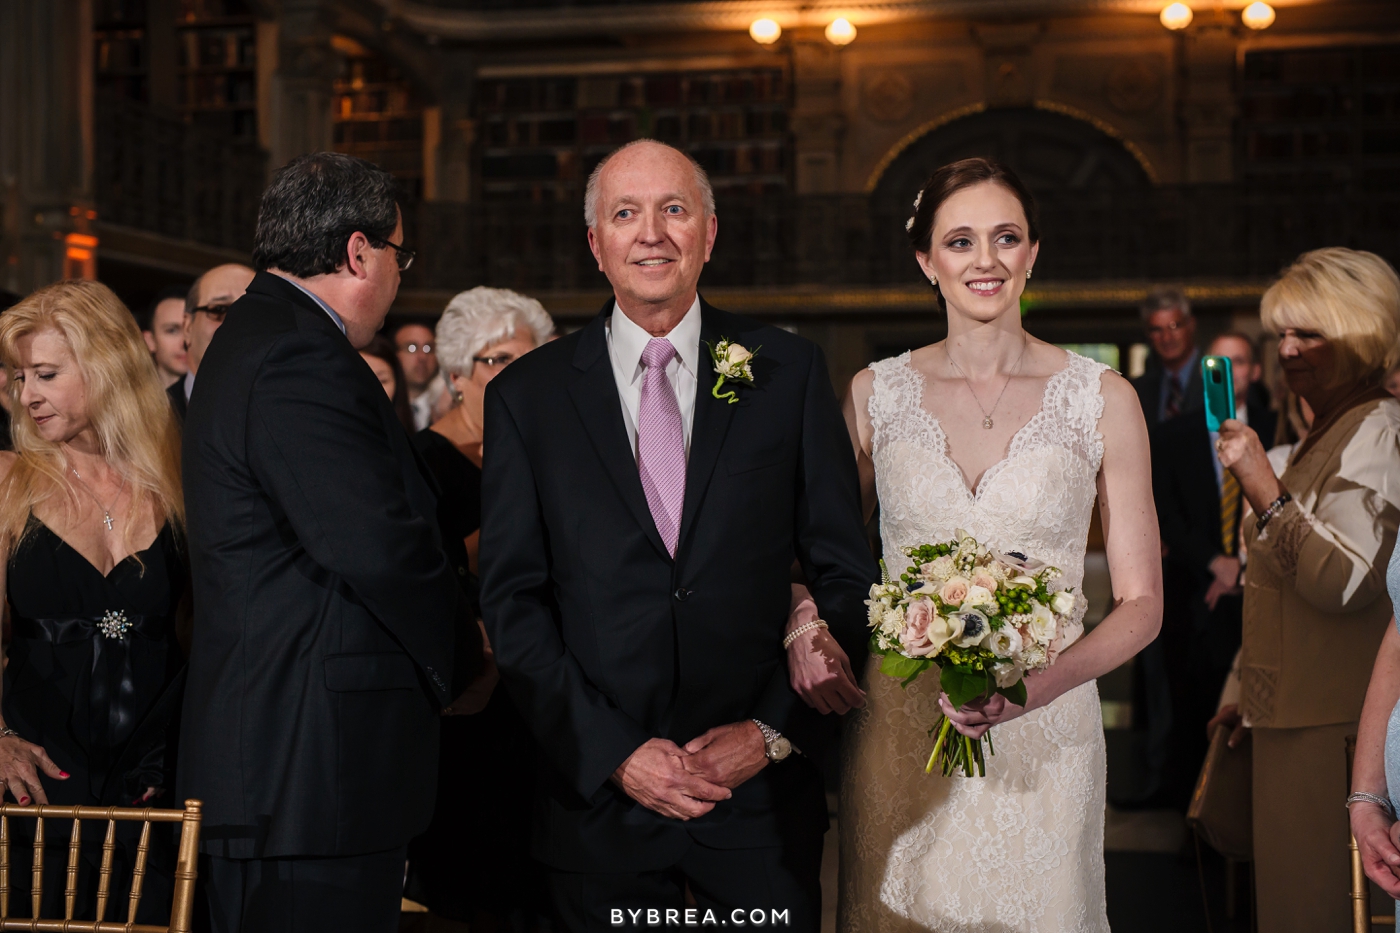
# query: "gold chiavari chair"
{"points": [[182, 905], [1361, 917]]}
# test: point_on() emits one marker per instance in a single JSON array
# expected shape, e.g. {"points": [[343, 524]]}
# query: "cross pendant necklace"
{"points": [[987, 422], [106, 509]]}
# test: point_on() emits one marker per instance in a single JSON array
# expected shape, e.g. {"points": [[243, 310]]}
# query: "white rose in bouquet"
{"points": [[1041, 625], [980, 596], [1062, 603], [1005, 642], [1006, 673]]}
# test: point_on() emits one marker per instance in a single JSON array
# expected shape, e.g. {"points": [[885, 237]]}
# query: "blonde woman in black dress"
{"points": [[90, 512]]}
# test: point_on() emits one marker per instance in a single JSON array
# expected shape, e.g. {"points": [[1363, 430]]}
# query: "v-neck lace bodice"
{"points": [[1020, 850], [1037, 499]]}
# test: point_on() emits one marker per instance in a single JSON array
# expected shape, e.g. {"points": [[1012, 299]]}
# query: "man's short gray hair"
{"points": [[590, 193], [1166, 299], [482, 316]]}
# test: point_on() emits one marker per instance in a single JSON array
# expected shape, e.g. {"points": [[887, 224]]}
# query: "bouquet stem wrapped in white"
{"points": [[984, 618]]}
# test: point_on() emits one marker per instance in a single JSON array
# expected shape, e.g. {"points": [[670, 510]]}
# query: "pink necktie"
{"points": [[661, 443]]}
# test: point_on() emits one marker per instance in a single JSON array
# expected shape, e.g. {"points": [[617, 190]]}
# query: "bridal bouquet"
{"points": [[982, 617]]}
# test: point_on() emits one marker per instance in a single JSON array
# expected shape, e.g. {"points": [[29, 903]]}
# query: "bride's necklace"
{"points": [[106, 509], [987, 415]]}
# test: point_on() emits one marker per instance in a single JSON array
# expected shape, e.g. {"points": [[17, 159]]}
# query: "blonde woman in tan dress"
{"points": [[1315, 604]]}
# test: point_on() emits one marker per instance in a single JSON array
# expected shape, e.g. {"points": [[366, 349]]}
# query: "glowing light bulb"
{"points": [[765, 31], [840, 32], [1258, 15], [1177, 16]]}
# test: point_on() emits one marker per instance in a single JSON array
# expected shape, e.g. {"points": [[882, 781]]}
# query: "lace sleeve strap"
{"points": [[886, 395]]}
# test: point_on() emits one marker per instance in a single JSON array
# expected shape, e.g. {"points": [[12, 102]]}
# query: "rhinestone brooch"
{"points": [[114, 623]]}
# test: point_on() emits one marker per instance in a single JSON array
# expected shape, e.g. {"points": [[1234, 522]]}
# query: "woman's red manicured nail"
{"points": [[24, 800], [63, 774]]}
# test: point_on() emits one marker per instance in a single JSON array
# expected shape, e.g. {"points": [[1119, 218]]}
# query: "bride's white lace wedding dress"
{"points": [[1022, 848]]}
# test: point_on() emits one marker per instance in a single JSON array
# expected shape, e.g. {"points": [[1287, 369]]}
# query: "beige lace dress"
{"points": [[1022, 848]]}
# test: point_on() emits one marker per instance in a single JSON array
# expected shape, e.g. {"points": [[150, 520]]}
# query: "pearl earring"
{"points": [[1028, 273], [933, 280]]}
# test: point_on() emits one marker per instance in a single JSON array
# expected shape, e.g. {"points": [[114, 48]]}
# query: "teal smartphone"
{"points": [[1219, 383]]}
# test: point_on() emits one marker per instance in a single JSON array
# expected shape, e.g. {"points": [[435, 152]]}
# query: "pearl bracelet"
{"points": [[1371, 798], [800, 631]]}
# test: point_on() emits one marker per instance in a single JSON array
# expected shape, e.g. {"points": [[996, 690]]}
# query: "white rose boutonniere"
{"points": [[732, 362]]}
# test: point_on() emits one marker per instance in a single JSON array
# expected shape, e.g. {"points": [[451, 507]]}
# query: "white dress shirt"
{"points": [[626, 341]]}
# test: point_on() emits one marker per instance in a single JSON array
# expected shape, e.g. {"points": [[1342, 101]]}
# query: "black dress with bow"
{"points": [[95, 676]]}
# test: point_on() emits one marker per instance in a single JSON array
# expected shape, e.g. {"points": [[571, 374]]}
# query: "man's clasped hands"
{"points": [[686, 782]]}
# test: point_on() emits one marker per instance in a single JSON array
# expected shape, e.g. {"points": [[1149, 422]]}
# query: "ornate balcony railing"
{"points": [[159, 174], [1159, 234]]}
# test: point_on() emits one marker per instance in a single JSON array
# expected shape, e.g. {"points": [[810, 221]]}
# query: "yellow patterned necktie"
{"points": [[1229, 511]]}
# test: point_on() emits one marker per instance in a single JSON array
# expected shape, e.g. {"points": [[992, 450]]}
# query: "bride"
{"points": [[1011, 439]]}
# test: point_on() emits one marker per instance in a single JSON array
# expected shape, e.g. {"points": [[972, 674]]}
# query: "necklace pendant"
{"points": [[107, 520], [987, 422]]}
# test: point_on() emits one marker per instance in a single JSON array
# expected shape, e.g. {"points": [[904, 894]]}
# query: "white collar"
{"points": [[629, 340]]}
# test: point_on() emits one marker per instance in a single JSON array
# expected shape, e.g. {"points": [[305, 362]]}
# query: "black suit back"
{"points": [[605, 641], [325, 610]]}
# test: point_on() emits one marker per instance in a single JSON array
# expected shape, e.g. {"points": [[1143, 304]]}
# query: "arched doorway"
{"points": [[1051, 152]]}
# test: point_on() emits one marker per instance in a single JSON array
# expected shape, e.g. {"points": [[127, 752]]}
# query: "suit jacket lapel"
{"points": [[593, 390], [712, 418]]}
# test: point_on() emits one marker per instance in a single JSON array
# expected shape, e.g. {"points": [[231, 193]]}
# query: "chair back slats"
{"points": [[36, 886], [104, 878], [182, 904], [4, 867], [70, 890], [138, 874], [182, 907]]}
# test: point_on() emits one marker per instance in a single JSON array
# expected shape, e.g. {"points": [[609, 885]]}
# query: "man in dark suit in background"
{"points": [[638, 535], [1199, 508], [1170, 387], [206, 303], [328, 616], [1171, 384]]}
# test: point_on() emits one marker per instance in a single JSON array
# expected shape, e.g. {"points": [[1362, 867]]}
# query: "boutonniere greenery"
{"points": [[732, 363]]}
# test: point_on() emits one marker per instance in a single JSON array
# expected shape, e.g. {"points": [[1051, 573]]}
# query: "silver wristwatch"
{"points": [[774, 745]]}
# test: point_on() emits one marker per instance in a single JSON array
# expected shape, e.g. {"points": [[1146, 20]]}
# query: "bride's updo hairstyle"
{"points": [[948, 181], [127, 406]]}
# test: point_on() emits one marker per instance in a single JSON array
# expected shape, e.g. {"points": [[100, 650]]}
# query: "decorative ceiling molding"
{"points": [[736, 15]]}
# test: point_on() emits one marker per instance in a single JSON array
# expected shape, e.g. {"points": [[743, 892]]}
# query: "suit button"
{"points": [[461, 571], [682, 594]]}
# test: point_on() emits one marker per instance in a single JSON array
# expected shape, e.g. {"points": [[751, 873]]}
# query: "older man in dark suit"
{"points": [[329, 621], [1199, 507], [638, 533]]}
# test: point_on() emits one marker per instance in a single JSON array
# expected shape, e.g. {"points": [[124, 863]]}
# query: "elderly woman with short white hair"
{"points": [[473, 865]]}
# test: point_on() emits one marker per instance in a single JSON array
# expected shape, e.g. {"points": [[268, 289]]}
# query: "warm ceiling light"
{"points": [[1177, 16], [840, 32], [765, 31], [1258, 15]]}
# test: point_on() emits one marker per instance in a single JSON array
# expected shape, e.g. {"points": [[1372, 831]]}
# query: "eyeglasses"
{"points": [[1171, 328], [494, 362], [416, 348], [402, 254], [216, 312]]}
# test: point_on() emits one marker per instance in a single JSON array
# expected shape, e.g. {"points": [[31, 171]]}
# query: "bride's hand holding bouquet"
{"points": [[986, 620]]}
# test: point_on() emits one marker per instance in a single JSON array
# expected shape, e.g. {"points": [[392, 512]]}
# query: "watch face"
{"points": [[780, 749]]}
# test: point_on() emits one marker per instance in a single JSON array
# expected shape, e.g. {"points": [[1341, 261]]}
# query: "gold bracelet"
{"points": [[800, 631]]}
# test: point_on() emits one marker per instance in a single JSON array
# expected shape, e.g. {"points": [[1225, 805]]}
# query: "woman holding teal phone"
{"points": [[1315, 603]]}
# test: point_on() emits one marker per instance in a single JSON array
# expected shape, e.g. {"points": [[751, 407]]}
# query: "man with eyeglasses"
{"points": [[1170, 388], [420, 371], [1171, 385], [331, 631], [205, 306]]}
